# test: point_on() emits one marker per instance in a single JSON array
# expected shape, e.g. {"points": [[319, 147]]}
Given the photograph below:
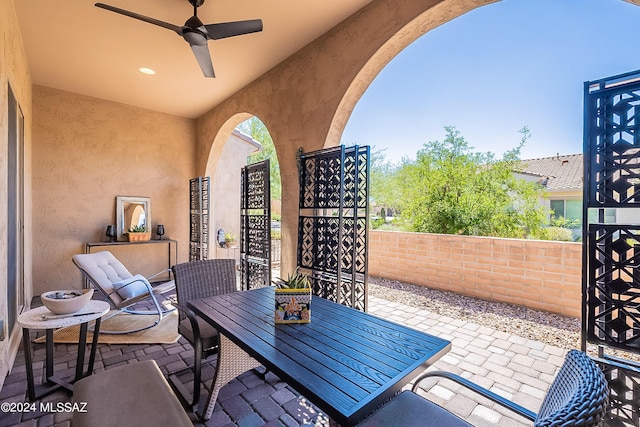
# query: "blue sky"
{"points": [[494, 70]]}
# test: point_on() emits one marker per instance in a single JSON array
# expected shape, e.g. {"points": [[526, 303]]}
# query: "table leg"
{"points": [[26, 343], [232, 361], [94, 345], [82, 345], [49, 361]]}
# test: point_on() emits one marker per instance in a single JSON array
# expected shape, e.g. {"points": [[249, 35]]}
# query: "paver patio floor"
{"points": [[512, 366]]}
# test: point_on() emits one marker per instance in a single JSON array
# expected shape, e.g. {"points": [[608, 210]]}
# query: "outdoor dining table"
{"points": [[345, 361]]}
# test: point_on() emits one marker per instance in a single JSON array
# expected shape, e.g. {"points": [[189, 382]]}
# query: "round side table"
{"points": [[41, 318]]}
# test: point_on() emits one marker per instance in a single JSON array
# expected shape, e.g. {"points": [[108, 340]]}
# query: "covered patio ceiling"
{"points": [[77, 47]]}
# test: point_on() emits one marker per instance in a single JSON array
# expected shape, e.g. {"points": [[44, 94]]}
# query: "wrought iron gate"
{"points": [[199, 218], [255, 226], [333, 222]]}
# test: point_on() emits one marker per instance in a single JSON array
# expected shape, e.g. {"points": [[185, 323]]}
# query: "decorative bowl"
{"points": [[66, 302]]}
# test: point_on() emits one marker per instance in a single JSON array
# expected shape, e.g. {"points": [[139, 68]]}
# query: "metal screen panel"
{"points": [[333, 223], [255, 226], [624, 395], [199, 218], [614, 291], [613, 139], [611, 259]]}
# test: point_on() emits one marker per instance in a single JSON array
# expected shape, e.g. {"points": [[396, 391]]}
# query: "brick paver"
{"points": [[512, 366]]}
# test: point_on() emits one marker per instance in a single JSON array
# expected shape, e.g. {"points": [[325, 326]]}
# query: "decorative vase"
{"points": [[139, 236], [293, 305]]}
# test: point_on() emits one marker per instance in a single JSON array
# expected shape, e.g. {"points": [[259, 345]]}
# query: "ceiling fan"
{"points": [[196, 33]]}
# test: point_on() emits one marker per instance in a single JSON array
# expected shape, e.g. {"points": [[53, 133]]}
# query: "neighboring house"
{"points": [[562, 177]]}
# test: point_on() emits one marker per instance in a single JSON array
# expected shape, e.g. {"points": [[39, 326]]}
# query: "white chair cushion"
{"points": [[103, 268]]}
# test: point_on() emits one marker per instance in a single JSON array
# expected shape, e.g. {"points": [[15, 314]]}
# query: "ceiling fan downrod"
{"points": [[196, 3]]}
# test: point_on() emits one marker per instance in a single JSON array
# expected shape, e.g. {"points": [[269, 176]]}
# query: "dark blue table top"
{"points": [[345, 361]]}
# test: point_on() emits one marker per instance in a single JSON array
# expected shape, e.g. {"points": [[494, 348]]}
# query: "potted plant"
{"points": [[293, 298], [138, 233], [231, 240]]}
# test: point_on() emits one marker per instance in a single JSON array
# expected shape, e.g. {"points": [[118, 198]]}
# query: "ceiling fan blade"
{"points": [[175, 28], [230, 29], [204, 59]]}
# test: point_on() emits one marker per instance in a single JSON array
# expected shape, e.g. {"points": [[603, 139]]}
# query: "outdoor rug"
{"points": [[166, 332]]}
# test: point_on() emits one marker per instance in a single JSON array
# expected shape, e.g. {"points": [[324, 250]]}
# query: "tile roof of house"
{"points": [[559, 172]]}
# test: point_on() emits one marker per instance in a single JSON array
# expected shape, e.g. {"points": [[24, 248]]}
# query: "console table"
{"points": [[172, 249]]}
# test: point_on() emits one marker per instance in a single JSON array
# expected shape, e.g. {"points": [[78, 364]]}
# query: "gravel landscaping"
{"points": [[550, 328]]}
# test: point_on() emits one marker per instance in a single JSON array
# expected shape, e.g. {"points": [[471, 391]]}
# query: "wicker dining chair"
{"points": [[196, 280], [578, 397]]}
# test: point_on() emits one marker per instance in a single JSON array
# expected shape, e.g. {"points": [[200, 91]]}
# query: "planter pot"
{"points": [[293, 305], [139, 237]]}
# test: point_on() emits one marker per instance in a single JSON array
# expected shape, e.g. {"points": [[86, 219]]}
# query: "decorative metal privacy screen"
{"points": [[199, 218], [611, 275], [255, 226], [333, 223], [624, 395]]}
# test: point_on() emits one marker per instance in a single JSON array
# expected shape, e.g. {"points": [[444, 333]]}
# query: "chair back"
{"points": [[578, 396], [204, 278], [102, 269]]}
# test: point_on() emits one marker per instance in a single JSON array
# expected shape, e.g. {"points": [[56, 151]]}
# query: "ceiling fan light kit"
{"points": [[196, 33]]}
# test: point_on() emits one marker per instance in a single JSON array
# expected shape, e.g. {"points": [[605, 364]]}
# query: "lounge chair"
{"points": [[121, 288]]}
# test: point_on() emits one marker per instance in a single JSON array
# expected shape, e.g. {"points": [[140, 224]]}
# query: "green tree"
{"points": [[382, 181], [452, 190], [258, 131]]}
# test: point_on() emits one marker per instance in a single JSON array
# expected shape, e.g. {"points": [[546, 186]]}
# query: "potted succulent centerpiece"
{"points": [[293, 298], [138, 233]]}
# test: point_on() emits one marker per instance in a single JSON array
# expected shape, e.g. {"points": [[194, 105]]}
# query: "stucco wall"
{"points": [[13, 71], [226, 193], [543, 275], [87, 151], [306, 100]]}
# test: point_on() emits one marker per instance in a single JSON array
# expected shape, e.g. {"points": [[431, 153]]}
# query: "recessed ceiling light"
{"points": [[145, 70]]}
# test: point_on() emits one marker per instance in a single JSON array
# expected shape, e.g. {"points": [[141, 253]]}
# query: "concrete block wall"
{"points": [[544, 275]]}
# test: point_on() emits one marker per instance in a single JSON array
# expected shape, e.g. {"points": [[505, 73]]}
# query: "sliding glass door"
{"points": [[15, 212]]}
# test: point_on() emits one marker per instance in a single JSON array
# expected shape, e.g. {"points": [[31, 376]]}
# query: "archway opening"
{"points": [[528, 70]]}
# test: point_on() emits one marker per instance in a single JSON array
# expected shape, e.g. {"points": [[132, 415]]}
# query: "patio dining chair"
{"points": [[578, 396], [121, 289], [196, 280]]}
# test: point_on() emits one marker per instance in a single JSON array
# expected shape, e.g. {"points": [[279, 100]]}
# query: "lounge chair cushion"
{"points": [[103, 268], [408, 409], [131, 287]]}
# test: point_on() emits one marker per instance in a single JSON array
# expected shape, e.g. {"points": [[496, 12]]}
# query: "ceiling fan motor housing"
{"points": [[194, 37]]}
